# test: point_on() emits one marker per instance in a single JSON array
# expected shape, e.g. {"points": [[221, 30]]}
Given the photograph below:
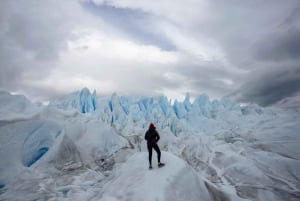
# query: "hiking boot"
{"points": [[150, 167], [161, 164]]}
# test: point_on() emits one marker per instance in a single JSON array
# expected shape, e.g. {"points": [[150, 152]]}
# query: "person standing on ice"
{"points": [[152, 138]]}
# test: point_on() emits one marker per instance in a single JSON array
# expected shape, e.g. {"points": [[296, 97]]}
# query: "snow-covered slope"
{"points": [[85, 147], [175, 181]]}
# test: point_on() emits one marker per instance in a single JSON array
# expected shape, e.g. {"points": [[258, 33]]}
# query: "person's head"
{"points": [[151, 126]]}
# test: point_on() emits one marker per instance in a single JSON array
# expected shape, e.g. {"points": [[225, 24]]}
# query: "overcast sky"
{"points": [[249, 50]]}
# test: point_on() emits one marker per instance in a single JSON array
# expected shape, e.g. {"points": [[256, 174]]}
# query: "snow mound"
{"points": [[15, 107], [135, 182]]}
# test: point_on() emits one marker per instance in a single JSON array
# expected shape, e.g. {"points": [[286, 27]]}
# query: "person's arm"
{"points": [[146, 136], [157, 136]]}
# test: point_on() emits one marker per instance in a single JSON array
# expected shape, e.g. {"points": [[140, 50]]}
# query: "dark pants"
{"points": [[156, 148]]}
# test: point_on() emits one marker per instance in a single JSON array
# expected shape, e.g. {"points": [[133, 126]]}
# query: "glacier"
{"points": [[89, 147]]}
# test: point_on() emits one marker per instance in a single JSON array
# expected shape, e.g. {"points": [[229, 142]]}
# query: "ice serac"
{"points": [[202, 105], [128, 113], [187, 102], [179, 109], [83, 101], [176, 181], [119, 110], [87, 101]]}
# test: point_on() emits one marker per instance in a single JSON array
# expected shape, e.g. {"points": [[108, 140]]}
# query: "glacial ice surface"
{"points": [[85, 147]]}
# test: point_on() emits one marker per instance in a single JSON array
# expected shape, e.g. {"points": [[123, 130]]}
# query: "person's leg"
{"points": [[150, 154], [156, 148]]}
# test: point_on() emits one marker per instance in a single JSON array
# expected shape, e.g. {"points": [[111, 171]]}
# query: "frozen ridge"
{"points": [[130, 113], [82, 100]]}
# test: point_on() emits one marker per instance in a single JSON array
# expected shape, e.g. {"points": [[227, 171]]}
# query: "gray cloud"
{"points": [[250, 26], [32, 36], [291, 102], [271, 87], [275, 58], [248, 48], [279, 46], [136, 24], [263, 39]]}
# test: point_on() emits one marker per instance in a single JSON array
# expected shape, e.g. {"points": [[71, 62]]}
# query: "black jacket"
{"points": [[152, 136]]}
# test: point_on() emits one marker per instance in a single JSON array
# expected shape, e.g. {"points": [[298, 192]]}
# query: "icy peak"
{"points": [[88, 101], [83, 100]]}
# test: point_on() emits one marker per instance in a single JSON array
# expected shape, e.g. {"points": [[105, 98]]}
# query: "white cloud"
{"points": [[196, 46], [175, 18], [101, 57], [99, 45], [225, 81], [64, 83], [183, 12], [106, 63]]}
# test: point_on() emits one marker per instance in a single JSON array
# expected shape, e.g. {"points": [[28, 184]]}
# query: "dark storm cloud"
{"points": [[271, 87], [276, 60], [279, 46], [291, 102]]}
